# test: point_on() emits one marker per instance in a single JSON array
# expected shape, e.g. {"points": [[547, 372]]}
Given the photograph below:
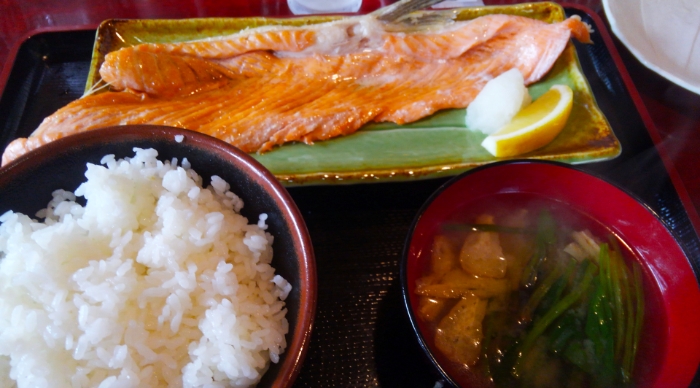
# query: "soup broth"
{"points": [[515, 291]]}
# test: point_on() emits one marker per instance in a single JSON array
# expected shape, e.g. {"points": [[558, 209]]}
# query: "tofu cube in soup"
{"points": [[459, 333], [481, 253]]}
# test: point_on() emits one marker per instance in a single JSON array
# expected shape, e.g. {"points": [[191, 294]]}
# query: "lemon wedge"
{"points": [[534, 126]]}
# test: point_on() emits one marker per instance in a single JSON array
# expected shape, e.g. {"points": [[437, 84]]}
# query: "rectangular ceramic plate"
{"points": [[439, 145]]}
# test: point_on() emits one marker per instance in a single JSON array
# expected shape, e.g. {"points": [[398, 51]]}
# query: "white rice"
{"points": [[155, 282]]}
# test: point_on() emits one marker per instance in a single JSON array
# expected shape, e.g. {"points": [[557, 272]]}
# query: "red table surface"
{"points": [[671, 113]]}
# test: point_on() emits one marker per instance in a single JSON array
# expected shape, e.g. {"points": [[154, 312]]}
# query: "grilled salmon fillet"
{"points": [[267, 86]]}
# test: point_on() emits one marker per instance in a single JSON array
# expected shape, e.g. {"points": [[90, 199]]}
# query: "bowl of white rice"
{"points": [[144, 256]]}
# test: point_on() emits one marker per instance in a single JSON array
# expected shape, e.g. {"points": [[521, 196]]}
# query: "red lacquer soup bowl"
{"points": [[669, 346]]}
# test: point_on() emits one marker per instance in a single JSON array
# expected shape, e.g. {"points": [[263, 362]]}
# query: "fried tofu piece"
{"points": [[459, 333], [458, 284], [444, 256], [481, 253], [430, 308]]}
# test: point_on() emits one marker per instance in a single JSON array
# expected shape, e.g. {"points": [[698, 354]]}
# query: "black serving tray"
{"points": [[362, 336]]}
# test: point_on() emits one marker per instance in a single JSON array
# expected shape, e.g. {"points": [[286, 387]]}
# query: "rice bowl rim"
{"points": [[293, 356]]}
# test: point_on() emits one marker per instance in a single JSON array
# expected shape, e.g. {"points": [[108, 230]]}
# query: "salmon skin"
{"points": [[263, 87]]}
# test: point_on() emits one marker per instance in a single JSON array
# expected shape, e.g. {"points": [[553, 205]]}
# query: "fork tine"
{"points": [[395, 11]]}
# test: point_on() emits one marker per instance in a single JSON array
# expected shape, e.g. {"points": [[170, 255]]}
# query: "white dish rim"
{"points": [[645, 60]]}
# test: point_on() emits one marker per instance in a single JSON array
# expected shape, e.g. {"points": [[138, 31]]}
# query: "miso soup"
{"points": [[523, 291]]}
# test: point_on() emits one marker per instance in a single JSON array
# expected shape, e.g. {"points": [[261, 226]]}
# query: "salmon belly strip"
{"points": [[264, 87]]}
